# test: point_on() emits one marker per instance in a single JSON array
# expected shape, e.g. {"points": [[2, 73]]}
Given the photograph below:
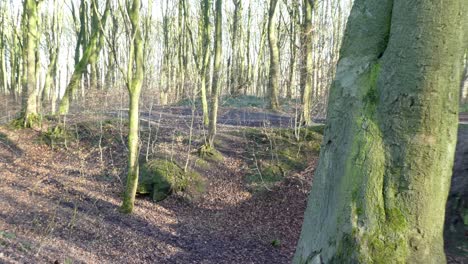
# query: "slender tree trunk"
{"points": [[380, 190], [89, 56], [217, 72], [235, 73], [54, 38], [307, 62], [464, 83], [15, 67], [3, 72], [274, 76], [258, 69], [51, 72], [293, 14], [205, 56], [134, 84]]}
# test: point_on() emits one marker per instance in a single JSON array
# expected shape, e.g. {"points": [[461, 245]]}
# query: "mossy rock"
{"points": [[210, 154], [57, 135], [160, 178]]}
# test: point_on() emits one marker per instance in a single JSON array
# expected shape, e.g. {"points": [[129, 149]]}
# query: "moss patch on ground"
{"points": [[31, 121], [209, 154], [277, 153], [160, 178], [57, 135]]}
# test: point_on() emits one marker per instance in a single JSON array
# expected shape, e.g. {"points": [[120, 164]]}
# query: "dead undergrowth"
{"points": [[60, 198], [60, 192]]}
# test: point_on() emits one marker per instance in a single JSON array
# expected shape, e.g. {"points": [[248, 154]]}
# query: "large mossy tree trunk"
{"points": [[218, 46], [134, 82], [274, 75], [382, 182]]}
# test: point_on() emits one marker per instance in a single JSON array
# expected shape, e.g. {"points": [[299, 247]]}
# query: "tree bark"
{"points": [[464, 83], [381, 186], [204, 57], [217, 72], [89, 56], [29, 102], [307, 61], [134, 84], [274, 76]]}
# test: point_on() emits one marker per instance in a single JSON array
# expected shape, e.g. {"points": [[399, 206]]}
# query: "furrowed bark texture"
{"points": [[380, 189]]}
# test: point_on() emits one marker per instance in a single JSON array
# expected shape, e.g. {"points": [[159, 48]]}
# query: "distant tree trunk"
{"points": [[3, 72], [29, 102], [54, 45], [294, 17], [217, 72], [15, 66], [165, 69], [258, 65], [380, 189], [181, 56], [134, 84], [51, 73], [204, 59], [89, 56], [307, 61], [235, 73], [464, 83], [274, 76], [248, 77]]}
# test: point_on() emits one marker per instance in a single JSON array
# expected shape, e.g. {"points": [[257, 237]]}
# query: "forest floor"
{"points": [[59, 203]]}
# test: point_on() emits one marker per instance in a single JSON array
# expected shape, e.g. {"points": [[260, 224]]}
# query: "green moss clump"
{"points": [[371, 98], [57, 135], [210, 154], [160, 178]]}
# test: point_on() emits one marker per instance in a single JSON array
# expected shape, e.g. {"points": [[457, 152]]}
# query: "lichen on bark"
{"points": [[380, 188]]}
